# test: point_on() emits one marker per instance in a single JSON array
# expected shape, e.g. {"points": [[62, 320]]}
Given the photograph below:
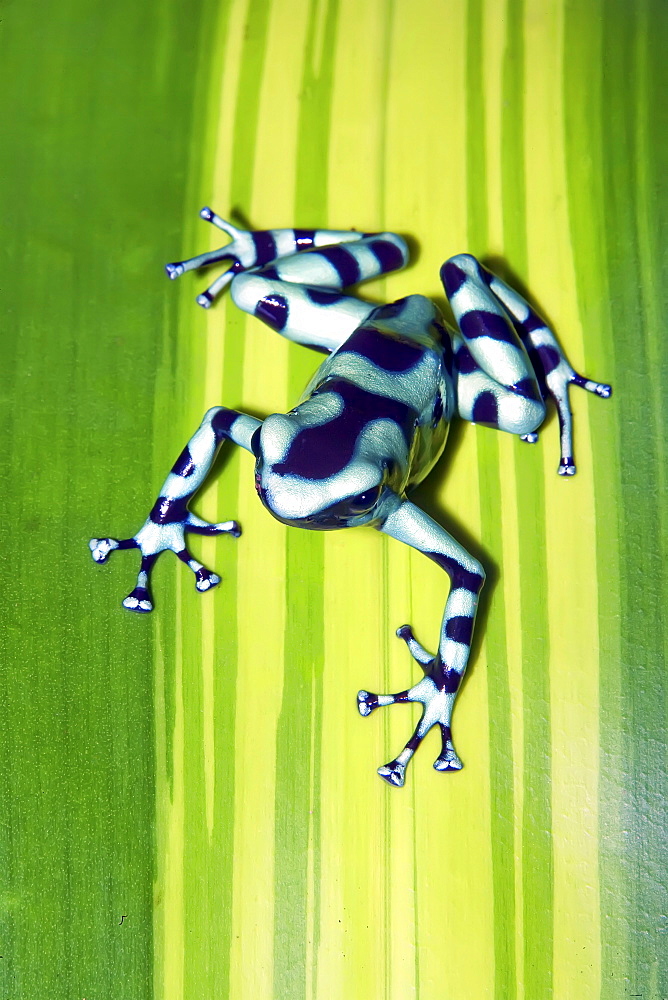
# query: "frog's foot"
{"points": [[240, 254], [227, 253], [152, 540], [557, 382], [437, 711], [530, 438], [436, 691]]}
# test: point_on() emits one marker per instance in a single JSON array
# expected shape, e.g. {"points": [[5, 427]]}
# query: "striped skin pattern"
{"points": [[481, 303], [170, 518], [372, 422]]}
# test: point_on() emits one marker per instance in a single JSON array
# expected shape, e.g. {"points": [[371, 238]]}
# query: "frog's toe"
{"points": [[174, 270], [366, 702], [100, 548], [448, 761], [601, 389], [417, 651], [530, 438], [210, 294], [209, 215], [139, 600], [205, 580], [567, 466], [393, 773]]}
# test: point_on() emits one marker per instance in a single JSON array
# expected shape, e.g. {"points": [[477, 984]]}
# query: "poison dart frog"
{"points": [[371, 423]]}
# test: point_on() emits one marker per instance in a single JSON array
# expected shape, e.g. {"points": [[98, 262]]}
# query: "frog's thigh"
{"points": [[496, 382], [309, 315]]}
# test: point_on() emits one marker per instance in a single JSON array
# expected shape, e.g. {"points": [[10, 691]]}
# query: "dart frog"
{"points": [[371, 423]]}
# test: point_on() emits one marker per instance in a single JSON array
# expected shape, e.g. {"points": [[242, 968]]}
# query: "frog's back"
{"points": [[401, 353]]}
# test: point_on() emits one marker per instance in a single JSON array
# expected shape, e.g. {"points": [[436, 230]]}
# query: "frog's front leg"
{"points": [[169, 519], [444, 672]]}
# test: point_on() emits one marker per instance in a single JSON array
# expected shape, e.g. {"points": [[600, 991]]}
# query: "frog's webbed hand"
{"points": [[443, 673], [169, 519]]}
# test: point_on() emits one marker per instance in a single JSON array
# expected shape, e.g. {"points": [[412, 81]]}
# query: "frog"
{"points": [[371, 424]]}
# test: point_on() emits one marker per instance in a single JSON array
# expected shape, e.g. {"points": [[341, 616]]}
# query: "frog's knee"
{"points": [[470, 575], [465, 261], [247, 290], [256, 295], [457, 270], [501, 407]]}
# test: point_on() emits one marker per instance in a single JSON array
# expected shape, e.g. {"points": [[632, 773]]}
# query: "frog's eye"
{"points": [[363, 502]]}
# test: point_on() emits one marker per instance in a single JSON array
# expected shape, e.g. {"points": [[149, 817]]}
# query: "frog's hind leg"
{"points": [[301, 296], [552, 367], [496, 383], [510, 360], [251, 249], [255, 249]]}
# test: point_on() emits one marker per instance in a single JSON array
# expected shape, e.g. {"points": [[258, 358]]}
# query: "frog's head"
{"points": [[337, 486]]}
